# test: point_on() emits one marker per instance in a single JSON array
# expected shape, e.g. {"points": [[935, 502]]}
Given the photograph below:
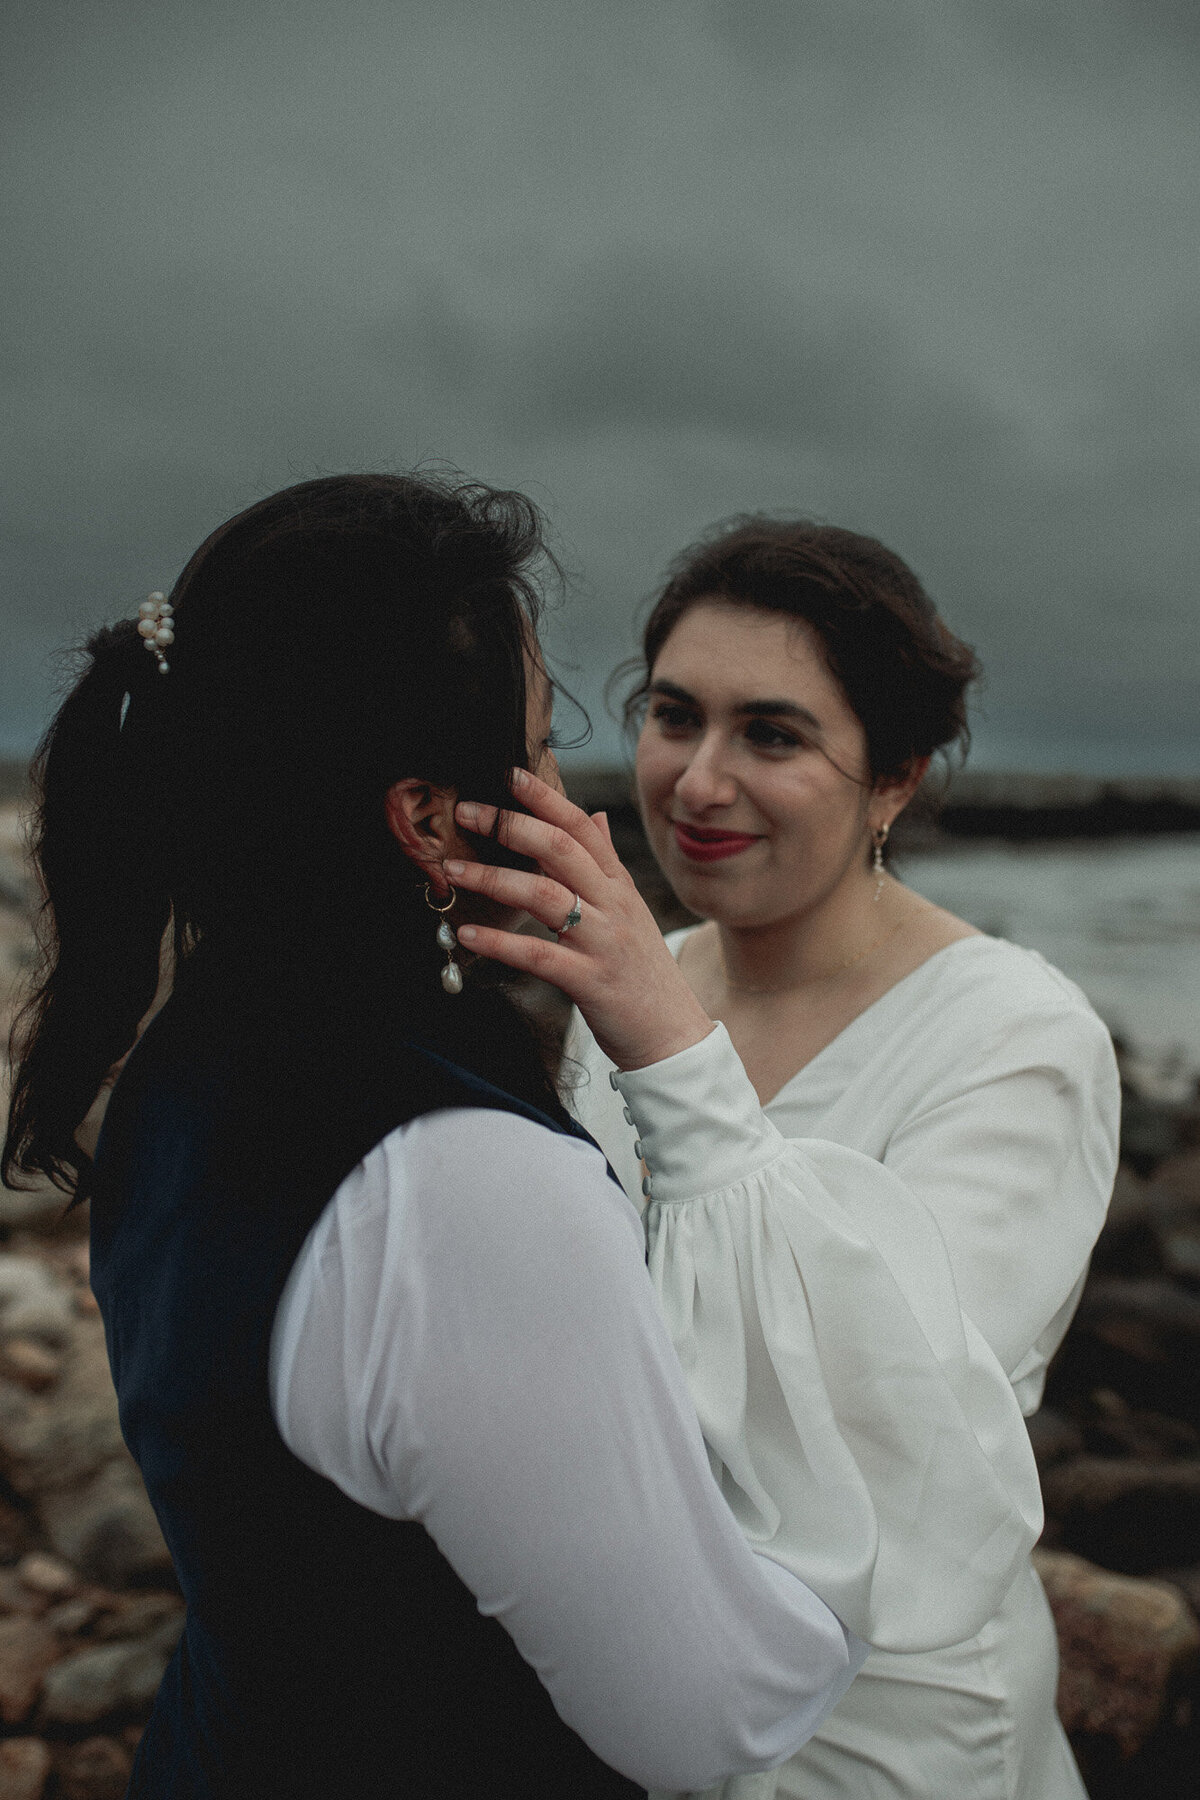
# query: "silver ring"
{"points": [[572, 919]]}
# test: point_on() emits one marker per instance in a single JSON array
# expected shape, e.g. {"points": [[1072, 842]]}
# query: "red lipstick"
{"points": [[699, 844]]}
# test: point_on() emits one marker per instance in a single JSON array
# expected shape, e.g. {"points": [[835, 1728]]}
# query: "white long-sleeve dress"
{"points": [[912, 1212]]}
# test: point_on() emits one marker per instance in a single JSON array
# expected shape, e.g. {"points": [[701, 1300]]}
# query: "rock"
{"points": [[1130, 1515], [1150, 1318], [1126, 1648], [29, 1364], [1112, 1428], [1129, 1244], [1150, 1132], [38, 1207], [15, 1597], [59, 1440], [159, 1616], [14, 1532], [72, 1617], [28, 1647], [24, 1768], [96, 1769], [107, 1527], [91, 1684], [65, 1451], [32, 1303], [1181, 1252], [1139, 1338], [1179, 1176], [47, 1575], [1187, 1580], [1053, 1436]]}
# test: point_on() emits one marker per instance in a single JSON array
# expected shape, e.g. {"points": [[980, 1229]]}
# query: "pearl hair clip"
{"points": [[155, 628]]}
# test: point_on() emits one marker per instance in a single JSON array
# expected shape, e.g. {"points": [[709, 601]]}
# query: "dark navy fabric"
{"points": [[327, 1651]]}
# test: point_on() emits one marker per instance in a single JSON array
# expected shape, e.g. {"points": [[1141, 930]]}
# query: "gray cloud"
{"points": [[924, 268]]}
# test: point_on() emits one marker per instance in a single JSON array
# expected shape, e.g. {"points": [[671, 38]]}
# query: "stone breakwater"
{"points": [[90, 1612]]}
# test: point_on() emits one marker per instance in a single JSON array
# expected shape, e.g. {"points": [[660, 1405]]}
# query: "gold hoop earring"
{"points": [[452, 975]]}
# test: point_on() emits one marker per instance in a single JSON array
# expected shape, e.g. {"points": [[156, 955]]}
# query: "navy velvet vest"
{"points": [[327, 1651]]}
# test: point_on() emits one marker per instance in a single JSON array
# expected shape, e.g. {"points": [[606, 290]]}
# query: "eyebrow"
{"points": [[752, 709]]}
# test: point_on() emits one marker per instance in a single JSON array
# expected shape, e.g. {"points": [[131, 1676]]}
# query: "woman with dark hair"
{"points": [[383, 1339], [882, 1171]]}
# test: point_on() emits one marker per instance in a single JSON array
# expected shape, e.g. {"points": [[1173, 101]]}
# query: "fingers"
{"points": [[559, 854], [601, 819], [545, 802], [538, 895], [532, 955]]}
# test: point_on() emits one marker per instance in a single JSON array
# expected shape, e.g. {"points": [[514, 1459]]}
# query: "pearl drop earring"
{"points": [[156, 627], [880, 835], [452, 976]]}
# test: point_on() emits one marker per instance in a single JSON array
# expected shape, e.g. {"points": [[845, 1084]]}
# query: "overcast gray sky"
{"points": [[924, 268]]}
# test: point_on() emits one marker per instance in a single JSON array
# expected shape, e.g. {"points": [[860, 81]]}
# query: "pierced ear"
{"points": [[421, 819], [898, 790]]}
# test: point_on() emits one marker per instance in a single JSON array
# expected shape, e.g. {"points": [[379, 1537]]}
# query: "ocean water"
{"points": [[1120, 916]]}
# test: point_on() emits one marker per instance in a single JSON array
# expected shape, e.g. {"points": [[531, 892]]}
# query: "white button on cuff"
{"points": [[637, 1149], [612, 1080], [628, 1115], [647, 1186]]}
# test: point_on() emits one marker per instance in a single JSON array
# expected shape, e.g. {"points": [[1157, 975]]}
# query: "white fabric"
{"points": [[865, 1281], [469, 1338]]}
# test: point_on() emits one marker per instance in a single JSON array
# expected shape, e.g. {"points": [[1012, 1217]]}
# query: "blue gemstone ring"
{"points": [[572, 919]]}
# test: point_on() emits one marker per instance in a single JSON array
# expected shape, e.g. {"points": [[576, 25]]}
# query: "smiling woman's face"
{"points": [[752, 769]]}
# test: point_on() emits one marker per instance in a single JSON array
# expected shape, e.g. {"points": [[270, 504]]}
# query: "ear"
{"points": [[892, 794], [421, 819]]}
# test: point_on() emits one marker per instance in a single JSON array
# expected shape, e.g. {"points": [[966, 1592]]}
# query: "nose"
{"points": [[707, 780]]}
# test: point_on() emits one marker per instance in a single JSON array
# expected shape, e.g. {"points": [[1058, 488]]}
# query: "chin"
{"points": [[711, 895]]}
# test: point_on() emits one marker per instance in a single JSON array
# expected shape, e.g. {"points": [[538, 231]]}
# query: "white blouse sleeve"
{"points": [[469, 1338], [833, 1313], [1014, 1155]]}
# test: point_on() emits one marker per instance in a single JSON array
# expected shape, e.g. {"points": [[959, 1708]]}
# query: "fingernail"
{"points": [[520, 778], [455, 868], [467, 809], [467, 934]]}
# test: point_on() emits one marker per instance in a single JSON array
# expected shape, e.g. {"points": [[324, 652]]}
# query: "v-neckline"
{"points": [[840, 1037]]}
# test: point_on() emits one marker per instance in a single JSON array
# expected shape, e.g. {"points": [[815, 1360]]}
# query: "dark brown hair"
{"points": [[903, 672], [332, 639]]}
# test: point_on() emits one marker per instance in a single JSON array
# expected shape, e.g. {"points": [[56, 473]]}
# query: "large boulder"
{"points": [[1127, 1649], [96, 1769], [109, 1680], [24, 1768], [33, 1302], [61, 1448], [28, 1648], [106, 1527]]}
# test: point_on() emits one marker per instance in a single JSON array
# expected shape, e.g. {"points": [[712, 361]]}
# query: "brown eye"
{"points": [[765, 736], [672, 717]]}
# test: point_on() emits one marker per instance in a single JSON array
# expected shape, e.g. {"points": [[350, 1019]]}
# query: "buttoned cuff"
{"points": [[699, 1120]]}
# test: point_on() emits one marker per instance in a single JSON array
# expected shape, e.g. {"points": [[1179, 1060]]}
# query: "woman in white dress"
{"points": [[890, 1106]]}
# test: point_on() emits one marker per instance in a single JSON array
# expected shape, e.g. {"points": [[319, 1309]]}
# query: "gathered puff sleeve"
{"points": [[864, 1430]]}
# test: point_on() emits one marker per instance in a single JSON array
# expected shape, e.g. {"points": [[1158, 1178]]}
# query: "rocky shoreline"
{"points": [[1117, 1442], [89, 1610]]}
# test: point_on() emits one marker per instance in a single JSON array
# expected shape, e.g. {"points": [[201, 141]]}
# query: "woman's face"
{"points": [[539, 714], [752, 768]]}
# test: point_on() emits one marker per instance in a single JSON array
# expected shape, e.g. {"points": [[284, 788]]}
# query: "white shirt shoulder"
{"points": [[470, 1338]]}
